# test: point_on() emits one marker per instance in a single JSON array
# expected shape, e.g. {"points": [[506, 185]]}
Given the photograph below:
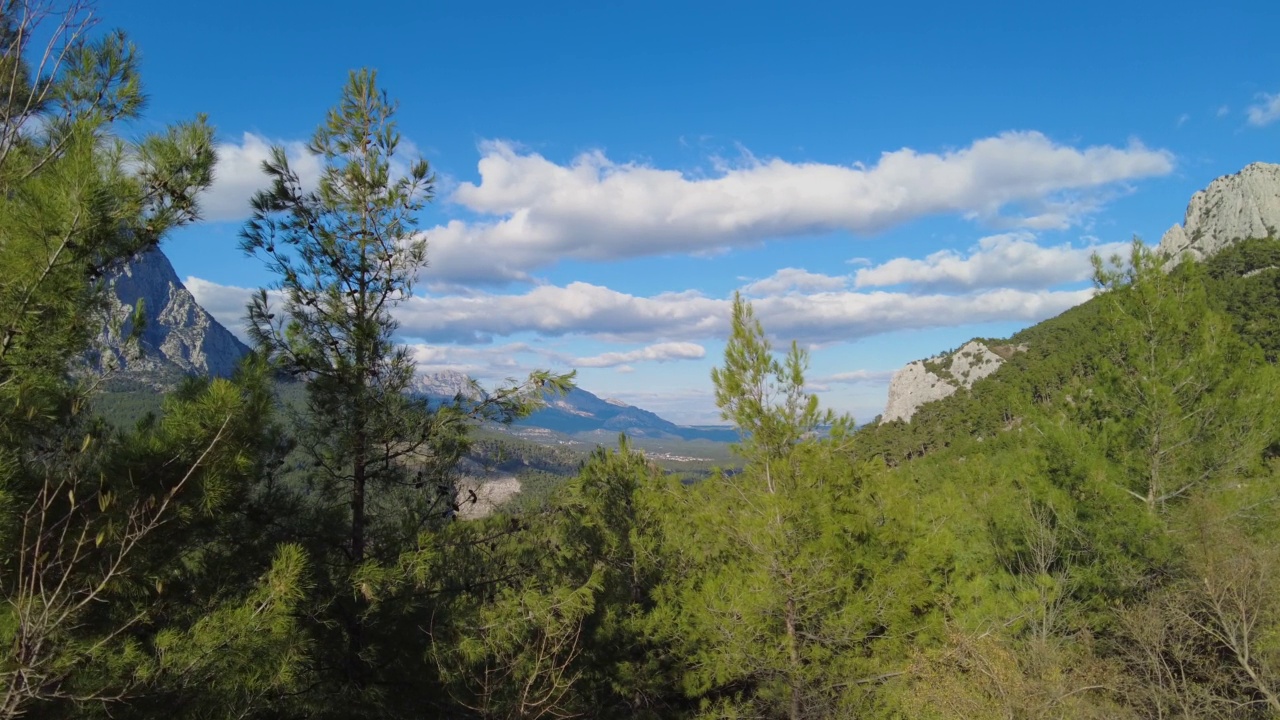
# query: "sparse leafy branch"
{"points": [[72, 552]]}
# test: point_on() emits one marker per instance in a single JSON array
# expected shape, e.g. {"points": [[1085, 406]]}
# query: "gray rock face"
{"points": [[443, 385], [178, 337], [940, 376], [911, 387], [1233, 207]]}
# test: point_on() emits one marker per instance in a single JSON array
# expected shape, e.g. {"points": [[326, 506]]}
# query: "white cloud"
{"points": [[484, 362], [226, 303], [582, 309], [585, 310], [872, 378], [238, 175], [790, 279], [1012, 260], [596, 209], [846, 316], [859, 377], [578, 308], [692, 406], [661, 352], [1223, 111], [1266, 111], [1182, 119]]}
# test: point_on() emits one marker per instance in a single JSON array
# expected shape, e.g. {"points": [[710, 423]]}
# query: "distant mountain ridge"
{"points": [[581, 412]]}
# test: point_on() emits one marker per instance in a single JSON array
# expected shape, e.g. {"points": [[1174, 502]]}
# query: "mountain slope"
{"points": [[581, 412], [178, 336], [1243, 277]]}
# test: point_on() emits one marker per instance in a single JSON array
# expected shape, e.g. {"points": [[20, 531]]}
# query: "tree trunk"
{"points": [[355, 641], [793, 652], [359, 471]]}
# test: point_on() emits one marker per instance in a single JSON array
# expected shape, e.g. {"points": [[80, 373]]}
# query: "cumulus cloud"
{"points": [[596, 311], [791, 279], [1266, 111], [578, 308], [586, 310], [483, 362], [858, 377], [845, 316], [238, 175], [226, 303], [1012, 260], [583, 309], [594, 208], [661, 352]]}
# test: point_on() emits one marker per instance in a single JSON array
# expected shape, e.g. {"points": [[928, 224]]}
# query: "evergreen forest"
{"points": [[1090, 532]]}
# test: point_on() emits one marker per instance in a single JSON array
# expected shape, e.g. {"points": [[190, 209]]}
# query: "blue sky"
{"points": [[884, 181]]}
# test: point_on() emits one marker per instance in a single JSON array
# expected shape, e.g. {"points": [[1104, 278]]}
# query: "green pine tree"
{"points": [[774, 579], [1183, 400], [96, 529], [346, 254]]}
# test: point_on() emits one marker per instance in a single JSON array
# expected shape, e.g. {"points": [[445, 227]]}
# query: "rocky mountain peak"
{"points": [[1233, 207], [178, 336]]}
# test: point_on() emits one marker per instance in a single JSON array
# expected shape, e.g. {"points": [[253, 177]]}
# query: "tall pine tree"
{"points": [[346, 254], [95, 527]]}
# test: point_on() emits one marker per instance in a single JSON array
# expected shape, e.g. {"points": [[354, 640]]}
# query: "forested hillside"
{"points": [[1240, 282], [1089, 532]]}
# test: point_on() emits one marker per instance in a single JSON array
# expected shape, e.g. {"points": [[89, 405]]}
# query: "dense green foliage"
{"points": [[1090, 532]]}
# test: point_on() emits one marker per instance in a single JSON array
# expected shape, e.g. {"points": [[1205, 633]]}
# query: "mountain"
{"points": [[178, 337], [444, 385], [581, 412], [1236, 207]]}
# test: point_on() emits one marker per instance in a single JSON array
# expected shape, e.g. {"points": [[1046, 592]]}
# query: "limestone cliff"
{"points": [[940, 376], [1233, 207], [178, 336]]}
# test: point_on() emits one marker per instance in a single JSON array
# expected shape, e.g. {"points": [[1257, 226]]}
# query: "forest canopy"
{"points": [[1089, 532]]}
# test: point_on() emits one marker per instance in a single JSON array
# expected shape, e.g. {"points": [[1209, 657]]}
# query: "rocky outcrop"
{"points": [[177, 338], [1233, 207], [940, 376], [911, 387]]}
